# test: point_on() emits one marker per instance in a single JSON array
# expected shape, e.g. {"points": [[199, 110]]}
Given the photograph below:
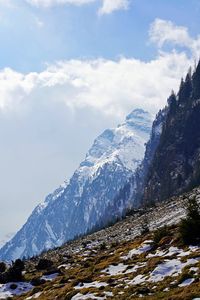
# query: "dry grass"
{"points": [[89, 269]]}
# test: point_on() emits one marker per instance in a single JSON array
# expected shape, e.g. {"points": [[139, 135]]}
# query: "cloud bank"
{"points": [[112, 87]]}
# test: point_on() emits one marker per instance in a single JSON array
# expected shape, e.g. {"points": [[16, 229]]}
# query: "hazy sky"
{"points": [[71, 68]]}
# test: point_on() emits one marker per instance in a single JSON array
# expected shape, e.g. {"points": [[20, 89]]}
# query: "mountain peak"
{"points": [[137, 113], [84, 202], [111, 143], [140, 120]]}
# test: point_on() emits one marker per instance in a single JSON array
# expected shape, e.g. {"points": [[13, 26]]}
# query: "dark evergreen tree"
{"points": [[196, 81], [144, 225], [185, 90], [2, 267], [181, 90], [44, 264], [190, 226], [172, 103]]}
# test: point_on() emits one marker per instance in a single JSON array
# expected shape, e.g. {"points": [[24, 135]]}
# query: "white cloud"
{"points": [[108, 6], [163, 32], [112, 87], [12, 83]]}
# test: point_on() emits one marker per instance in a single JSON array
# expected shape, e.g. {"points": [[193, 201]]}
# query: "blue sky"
{"points": [[31, 36], [70, 69]]}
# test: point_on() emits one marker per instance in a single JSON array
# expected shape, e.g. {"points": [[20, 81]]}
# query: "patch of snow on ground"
{"points": [[86, 253], [115, 270], [109, 294], [138, 279], [6, 291], [135, 268], [66, 266], [191, 249], [80, 296], [184, 253], [50, 277], [194, 269], [194, 248], [120, 269], [145, 247], [158, 253], [35, 296], [169, 268], [186, 282], [95, 284], [170, 252]]}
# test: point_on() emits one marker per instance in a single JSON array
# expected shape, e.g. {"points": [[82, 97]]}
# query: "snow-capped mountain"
{"points": [[80, 205], [131, 194]]}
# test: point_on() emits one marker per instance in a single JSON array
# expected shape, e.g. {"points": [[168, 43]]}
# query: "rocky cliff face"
{"points": [[171, 164], [131, 195], [175, 167], [86, 202]]}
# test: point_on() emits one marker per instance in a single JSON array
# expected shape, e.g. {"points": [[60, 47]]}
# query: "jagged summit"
{"points": [[139, 119], [114, 144], [81, 205], [138, 114]]}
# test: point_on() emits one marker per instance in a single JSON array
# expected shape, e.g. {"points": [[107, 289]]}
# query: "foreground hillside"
{"points": [[119, 262]]}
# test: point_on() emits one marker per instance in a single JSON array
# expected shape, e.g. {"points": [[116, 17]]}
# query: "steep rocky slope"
{"points": [[83, 203], [132, 192], [171, 163], [175, 167]]}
